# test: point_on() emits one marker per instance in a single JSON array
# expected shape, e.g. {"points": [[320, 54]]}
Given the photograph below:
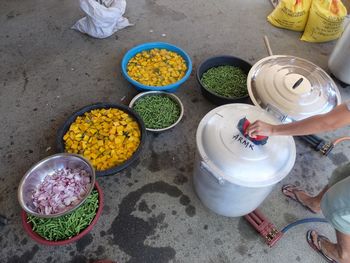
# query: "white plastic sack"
{"points": [[102, 21]]}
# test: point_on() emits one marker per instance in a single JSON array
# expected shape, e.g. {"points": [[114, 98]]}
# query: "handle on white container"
{"points": [[276, 113], [205, 166]]}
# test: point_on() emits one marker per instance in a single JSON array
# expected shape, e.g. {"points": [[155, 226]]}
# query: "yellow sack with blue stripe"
{"points": [[325, 21], [290, 14]]}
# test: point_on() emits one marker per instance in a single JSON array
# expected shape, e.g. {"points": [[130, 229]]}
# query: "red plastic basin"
{"points": [[28, 227]]}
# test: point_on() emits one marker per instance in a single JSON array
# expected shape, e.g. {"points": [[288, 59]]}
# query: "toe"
{"points": [[315, 240]]}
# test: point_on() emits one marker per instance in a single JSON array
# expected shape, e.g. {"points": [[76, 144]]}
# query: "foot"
{"points": [[325, 248], [300, 196]]}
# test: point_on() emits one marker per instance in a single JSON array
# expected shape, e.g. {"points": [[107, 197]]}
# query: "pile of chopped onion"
{"points": [[61, 190]]}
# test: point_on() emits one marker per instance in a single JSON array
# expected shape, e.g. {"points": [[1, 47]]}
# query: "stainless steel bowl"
{"points": [[163, 93], [36, 174]]}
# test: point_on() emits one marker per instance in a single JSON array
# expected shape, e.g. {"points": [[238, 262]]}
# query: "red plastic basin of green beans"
{"points": [[28, 227]]}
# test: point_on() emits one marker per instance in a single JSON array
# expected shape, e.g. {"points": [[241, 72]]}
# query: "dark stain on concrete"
{"points": [[12, 14], [242, 249], [173, 212], [195, 100], [158, 161], [100, 250], [143, 207], [26, 256], [79, 259], [162, 10], [338, 158], [190, 231], [130, 232], [84, 242], [180, 179], [49, 259], [185, 200], [152, 163], [218, 241], [190, 210], [102, 233], [128, 173], [72, 253], [26, 80], [222, 258], [245, 230], [24, 241], [205, 227], [298, 259]]}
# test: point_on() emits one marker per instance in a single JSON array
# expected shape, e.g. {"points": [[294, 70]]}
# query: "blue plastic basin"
{"points": [[161, 45]]}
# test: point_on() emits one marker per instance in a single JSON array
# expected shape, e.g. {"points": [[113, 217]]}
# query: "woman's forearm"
{"points": [[337, 118]]}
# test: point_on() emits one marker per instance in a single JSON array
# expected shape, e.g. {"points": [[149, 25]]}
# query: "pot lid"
{"points": [[229, 156], [291, 88]]}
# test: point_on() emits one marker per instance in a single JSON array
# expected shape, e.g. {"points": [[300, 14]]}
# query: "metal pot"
{"points": [[232, 176]]}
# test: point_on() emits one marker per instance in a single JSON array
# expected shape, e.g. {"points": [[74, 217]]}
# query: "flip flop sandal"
{"points": [[294, 196], [319, 248]]}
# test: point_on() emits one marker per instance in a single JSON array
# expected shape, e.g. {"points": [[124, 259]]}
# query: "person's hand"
{"points": [[259, 128]]}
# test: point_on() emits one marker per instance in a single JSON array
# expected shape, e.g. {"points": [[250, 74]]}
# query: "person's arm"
{"points": [[337, 118]]}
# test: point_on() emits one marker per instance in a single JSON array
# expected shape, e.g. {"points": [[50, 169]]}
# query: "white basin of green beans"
{"points": [[67, 226], [227, 81], [157, 111]]}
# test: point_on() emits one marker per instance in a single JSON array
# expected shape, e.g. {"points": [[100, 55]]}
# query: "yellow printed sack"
{"points": [[290, 14], [325, 21]]}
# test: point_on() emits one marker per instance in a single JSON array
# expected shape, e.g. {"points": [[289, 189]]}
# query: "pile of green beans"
{"points": [[67, 226], [227, 81], [157, 111]]}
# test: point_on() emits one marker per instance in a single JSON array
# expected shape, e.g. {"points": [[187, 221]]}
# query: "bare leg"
{"points": [[312, 202], [340, 251]]}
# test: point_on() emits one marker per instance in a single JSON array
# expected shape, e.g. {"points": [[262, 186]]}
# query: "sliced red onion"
{"points": [[61, 190]]}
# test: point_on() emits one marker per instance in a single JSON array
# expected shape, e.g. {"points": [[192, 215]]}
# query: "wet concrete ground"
{"points": [[151, 212]]}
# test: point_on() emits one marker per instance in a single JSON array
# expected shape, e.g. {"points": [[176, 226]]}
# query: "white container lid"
{"points": [[232, 157], [291, 88]]}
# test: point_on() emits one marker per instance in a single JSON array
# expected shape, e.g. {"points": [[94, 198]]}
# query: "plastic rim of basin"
{"points": [[28, 227], [222, 61], [147, 46], [65, 127]]}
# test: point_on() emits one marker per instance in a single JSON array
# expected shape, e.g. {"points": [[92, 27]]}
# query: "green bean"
{"points": [[157, 111], [67, 226], [227, 81]]}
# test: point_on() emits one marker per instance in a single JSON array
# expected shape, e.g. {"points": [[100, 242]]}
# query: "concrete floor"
{"points": [[151, 212]]}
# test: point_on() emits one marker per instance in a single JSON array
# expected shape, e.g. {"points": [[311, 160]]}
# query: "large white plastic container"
{"points": [[339, 61], [232, 176]]}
